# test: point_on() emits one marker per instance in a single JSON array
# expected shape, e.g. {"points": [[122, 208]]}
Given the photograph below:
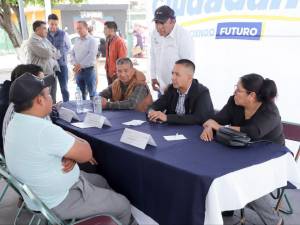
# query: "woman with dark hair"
{"points": [[252, 110]]}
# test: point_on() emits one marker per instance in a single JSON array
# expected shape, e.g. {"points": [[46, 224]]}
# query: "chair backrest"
{"points": [[30, 196], [292, 132]]}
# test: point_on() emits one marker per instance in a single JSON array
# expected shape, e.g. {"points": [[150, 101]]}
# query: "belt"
{"points": [[88, 68]]}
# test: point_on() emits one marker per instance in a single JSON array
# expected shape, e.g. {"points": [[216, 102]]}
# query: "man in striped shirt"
{"points": [[185, 101]]}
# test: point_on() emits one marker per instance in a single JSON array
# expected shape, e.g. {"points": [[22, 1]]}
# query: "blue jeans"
{"points": [[86, 81], [63, 82]]}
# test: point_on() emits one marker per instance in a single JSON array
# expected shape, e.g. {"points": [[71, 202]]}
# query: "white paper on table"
{"points": [[136, 138], [93, 120], [67, 114], [134, 122], [175, 137], [82, 125]]}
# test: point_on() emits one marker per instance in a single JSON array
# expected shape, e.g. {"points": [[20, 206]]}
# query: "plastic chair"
{"points": [[22, 205], [42, 212], [4, 190], [291, 132]]}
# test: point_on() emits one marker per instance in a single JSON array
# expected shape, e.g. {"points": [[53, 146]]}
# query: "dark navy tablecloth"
{"points": [[168, 182]]}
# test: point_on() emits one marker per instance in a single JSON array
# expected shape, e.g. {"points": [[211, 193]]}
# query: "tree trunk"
{"points": [[15, 8], [7, 24]]}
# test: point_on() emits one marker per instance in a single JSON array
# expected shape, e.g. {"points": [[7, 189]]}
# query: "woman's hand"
{"points": [[207, 134], [212, 124]]}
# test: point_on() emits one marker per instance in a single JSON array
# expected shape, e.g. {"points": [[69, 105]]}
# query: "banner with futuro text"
{"points": [[236, 37]]}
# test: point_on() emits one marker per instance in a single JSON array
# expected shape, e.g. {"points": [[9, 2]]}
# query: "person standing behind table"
{"points": [[61, 41], [252, 110], [169, 43], [115, 49], [83, 58], [41, 52]]}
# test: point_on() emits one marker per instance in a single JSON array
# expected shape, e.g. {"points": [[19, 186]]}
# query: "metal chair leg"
{"points": [[289, 209], [243, 218], [32, 219], [4, 191], [19, 212]]}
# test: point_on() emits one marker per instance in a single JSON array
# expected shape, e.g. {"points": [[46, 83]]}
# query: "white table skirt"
{"points": [[234, 190]]}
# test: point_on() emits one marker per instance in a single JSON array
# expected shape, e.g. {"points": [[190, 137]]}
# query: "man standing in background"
{"points": [[41, 52], [115, 49], [61, 41], [169, 43], [83, 58]]}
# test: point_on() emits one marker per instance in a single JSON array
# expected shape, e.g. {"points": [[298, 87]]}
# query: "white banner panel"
{"points": [[236, 37]]}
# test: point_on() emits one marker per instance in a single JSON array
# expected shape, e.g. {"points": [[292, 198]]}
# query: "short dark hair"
{"points": [[52, 17], [36, 24], [187, 63], [84, 23], [111, 25], [20, 107], [265, 89], [125, 60], [23, 68]]}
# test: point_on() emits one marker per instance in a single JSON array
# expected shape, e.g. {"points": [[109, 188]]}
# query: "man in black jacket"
{"points": [[185, 101]]}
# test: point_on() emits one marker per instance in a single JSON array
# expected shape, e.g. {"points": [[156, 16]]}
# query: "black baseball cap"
{"points": [[163, 13], [28, 86]]}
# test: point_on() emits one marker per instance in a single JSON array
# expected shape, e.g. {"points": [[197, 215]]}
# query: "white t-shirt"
{"points": [[34, 148], [165, 51]]}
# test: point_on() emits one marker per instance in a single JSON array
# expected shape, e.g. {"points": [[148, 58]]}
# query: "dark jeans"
{"points": [[63, 82], [86, 81]]}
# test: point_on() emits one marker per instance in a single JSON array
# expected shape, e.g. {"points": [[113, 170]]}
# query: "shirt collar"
{"points": [[85, 37]]}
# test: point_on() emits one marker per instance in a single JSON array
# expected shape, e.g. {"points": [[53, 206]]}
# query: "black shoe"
{"points": [[228, 213]]}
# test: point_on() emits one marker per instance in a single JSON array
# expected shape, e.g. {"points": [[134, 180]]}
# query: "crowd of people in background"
{"points": [[182, 99]]}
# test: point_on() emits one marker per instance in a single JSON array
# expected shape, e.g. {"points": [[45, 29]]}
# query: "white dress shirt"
{"points": [[165, 51]]}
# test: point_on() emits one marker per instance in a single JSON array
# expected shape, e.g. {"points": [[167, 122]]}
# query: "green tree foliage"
{"points": [[6, 8]]}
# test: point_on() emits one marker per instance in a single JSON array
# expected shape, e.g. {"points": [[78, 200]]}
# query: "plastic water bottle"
{"points": [[97, 104], [79, 101]]}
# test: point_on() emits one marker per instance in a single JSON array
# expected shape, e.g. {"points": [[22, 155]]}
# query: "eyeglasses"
{"points": [[236, 89]]}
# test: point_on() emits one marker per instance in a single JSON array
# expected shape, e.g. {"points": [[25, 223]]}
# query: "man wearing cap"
{"points": [[17, 72], [44, 157], [169, 43]]}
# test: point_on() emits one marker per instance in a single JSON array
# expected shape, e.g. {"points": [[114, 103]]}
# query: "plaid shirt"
{"points": [[138, 94]]}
